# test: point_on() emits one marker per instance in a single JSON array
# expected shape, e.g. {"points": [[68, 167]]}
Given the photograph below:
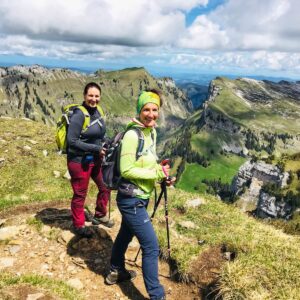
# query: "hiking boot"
{"points": [[115, 276], [84, 232], [103, 221]]}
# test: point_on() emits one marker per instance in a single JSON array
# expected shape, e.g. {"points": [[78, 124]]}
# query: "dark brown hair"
{"points": [[91, 85]]}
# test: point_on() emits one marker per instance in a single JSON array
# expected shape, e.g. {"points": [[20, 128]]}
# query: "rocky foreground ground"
{"points": [[38, 240]]}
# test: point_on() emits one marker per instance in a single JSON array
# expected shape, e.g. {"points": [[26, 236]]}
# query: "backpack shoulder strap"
{"points": [[100, 110], [141, 142], [86, 116]]}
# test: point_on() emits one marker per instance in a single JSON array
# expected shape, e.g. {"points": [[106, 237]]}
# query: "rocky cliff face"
{"points": [[248, 185], [261, 171]]}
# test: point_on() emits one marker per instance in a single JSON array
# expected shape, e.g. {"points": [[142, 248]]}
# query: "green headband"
{"points": [[147, 97]]}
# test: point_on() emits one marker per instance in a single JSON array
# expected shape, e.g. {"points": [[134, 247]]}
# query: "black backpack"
{"points": [[111, 162]]}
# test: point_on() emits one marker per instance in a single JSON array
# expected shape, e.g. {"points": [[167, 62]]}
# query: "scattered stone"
{"points": [[33, 142], [79, 262], [65, 237], [35, 296], [56, 174], [2, 222], [27, 148], [195, 203], [188, 224], [229, 255], [15, 242], [62, 256], [14, 249], [98, 261], [67, 175], [6, 262], [46, 229], [10, 232], [44, 267], [102, 232], [2, 160], [45, 153], [75, 283]]}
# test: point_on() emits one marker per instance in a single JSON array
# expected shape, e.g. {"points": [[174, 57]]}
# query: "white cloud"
{"points": [[249, 35], [248, 62], [131, 22], [204, 34], [247, 25]]}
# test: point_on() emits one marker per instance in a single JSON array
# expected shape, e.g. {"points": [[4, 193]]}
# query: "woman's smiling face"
{"points": [[92, 97], [149, 114]]}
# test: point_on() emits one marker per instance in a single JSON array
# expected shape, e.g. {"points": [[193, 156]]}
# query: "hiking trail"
{"points": [[36, 239]]}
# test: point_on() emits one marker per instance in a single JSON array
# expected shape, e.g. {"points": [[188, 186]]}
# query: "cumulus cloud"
{"points": [[204, 34], [238, 34], [247, 25], [131, 22]]}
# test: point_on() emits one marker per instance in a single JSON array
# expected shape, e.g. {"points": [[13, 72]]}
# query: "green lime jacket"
{"points": [[145, 171]]}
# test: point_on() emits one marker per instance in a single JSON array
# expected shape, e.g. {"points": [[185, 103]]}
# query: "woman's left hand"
{"points": [[171, 180]]}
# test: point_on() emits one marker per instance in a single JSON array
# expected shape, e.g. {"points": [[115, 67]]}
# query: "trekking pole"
{"points": [[109, 205], [164, 188]]}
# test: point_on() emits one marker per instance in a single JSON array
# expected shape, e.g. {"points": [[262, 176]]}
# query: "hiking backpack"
{"points": [[64, 121], [111, 163]]}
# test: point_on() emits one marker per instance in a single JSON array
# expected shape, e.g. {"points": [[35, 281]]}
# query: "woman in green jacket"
{"points": [[140, 176]]}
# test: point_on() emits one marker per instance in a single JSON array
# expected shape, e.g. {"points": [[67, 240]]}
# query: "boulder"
{"points": [[6, 262], [194, 203], [27, 148], [268, 207], [56, 174], [67, 175], [188, 224], [75, 283], [35, 296]]}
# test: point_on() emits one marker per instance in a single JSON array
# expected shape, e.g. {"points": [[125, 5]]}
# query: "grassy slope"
{"points": [[267, 265], [222, 166], [27, 176], [256, 273], [225, 168]]}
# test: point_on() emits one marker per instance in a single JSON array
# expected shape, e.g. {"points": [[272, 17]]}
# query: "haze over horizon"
{"points": [[166, 37]]}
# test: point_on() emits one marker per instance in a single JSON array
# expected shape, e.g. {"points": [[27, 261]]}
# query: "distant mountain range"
{"points": [[39, 93], [209, 130]]}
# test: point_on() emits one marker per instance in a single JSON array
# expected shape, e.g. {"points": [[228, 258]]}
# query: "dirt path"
{"points": [[47, 247]]}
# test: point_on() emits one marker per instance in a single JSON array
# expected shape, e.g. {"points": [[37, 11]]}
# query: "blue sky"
{"points": [[166, 36]]}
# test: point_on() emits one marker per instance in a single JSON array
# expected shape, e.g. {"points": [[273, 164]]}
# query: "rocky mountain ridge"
{"points": [[39, 93]]}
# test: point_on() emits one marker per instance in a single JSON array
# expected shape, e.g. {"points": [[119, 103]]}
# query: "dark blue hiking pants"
{"points": [[136, 222]]}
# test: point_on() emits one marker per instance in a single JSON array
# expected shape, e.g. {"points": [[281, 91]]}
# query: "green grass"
{"points": [[56, 287], [267, 264], [27, 176], [224, 167]]}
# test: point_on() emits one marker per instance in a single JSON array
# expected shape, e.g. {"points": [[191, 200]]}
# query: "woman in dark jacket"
{"points": [[84, 154]]}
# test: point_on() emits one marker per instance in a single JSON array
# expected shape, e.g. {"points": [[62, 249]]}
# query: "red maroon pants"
{"points": [[80, 176]]}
